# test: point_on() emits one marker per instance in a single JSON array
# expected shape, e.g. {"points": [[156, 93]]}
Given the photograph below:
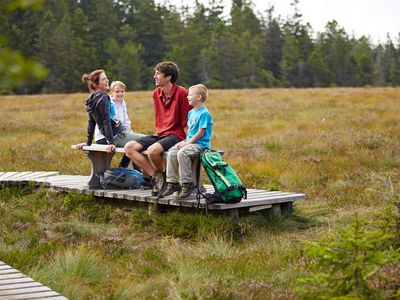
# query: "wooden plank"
{"points": [[28, 290], [36, 176], [20, 285], [47, 174], [8, 175], [11, 276], [65, 186], [98, 147], [272, 200], [17, 176], [78, 188], [34, 295], [62, 178], [3, 175], [192, 202], [266, 196], [47, 178], [15, 285], [38, 180], [8, 271], [70, 182], [15, 280], [47, 181], [260, 207], [31, 176]]}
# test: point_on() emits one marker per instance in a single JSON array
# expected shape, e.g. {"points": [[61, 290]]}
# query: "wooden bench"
{"points": [[101, 161]]}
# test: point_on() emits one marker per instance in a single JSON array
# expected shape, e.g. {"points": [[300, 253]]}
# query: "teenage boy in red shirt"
{"points": [[170, 111]]}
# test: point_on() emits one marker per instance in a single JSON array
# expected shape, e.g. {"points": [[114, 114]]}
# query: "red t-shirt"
{"points": [[171, 113]]}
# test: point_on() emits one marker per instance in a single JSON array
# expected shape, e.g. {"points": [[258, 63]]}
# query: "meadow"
{"points": [[339, 146]]}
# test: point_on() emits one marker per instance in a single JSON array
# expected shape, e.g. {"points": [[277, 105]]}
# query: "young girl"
{"points": [[102, 112], [117, 92]]}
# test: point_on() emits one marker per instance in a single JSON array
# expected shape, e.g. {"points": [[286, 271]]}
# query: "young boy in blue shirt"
{"points": [[200, 124]]}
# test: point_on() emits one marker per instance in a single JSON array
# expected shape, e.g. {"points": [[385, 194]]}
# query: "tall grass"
{"points": [[338, 146]]}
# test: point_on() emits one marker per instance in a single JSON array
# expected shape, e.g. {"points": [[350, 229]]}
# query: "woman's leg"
{"points": [[121, 140]]}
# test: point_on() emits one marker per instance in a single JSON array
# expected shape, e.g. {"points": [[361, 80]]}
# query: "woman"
{"points": [[102, 112]]}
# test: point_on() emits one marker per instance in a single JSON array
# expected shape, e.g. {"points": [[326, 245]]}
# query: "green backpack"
{"points": [[227, 185]]}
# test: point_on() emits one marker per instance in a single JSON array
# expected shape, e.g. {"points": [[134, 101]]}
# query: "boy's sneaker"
{"points": [[172, 188], [187, 189], [158, 183]]}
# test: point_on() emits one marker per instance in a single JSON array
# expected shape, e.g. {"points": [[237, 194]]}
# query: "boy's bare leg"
{"points": [[132, 150], [155, 153]]}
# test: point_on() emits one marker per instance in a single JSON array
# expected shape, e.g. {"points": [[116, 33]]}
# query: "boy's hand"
{"points": [[182, 144]]}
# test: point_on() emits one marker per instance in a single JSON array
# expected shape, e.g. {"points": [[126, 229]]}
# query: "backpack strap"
{"points": [[199, 194], [244, 192]]}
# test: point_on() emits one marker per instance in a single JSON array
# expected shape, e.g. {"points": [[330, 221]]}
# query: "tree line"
{"points": [[245, 49]]}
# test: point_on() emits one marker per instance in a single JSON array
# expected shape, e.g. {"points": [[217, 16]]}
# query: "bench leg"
{"points": [[100, 161], [234, 215], [287, 209], [276, 209]]}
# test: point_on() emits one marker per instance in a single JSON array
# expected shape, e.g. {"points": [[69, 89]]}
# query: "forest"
{"points": [[245, 49]]}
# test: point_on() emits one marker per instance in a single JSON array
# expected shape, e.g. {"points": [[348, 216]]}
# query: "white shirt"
{"points": [[121, 114]]}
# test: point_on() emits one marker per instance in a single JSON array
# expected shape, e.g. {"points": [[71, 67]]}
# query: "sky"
{"points": [[373, 18]]}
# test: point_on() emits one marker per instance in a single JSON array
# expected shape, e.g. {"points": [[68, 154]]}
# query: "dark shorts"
{"points": [[166, 142]]}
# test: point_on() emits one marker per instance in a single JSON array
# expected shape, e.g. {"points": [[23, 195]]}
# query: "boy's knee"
{"points": [[181, 153]]}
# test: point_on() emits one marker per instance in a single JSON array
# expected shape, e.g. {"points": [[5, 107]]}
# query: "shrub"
{"points": [[350, 266]]}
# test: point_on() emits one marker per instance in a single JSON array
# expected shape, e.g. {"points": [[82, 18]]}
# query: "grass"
{"points": [[338, 146]]}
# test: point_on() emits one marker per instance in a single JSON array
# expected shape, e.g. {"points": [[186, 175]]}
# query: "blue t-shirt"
{"points": [[197, 119]]}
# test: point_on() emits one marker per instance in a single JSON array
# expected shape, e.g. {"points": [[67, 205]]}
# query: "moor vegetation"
{"points": [[339, 146]]}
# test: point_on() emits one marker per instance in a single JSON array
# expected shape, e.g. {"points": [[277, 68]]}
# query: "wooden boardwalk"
{"points": [[15, 285], [256, 199]]}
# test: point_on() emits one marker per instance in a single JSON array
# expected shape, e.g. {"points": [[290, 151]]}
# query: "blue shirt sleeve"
{"points": [[204, 120]]}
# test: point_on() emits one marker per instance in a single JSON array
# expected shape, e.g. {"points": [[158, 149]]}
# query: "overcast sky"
{"points": [[374, 18]]}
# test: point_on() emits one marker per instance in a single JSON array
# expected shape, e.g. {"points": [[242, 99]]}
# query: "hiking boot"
{"points": [[187, 189], [172, 188], [158, 183]]}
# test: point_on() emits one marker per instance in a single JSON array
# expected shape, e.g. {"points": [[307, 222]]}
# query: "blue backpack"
{"points": [[121, 178]]}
